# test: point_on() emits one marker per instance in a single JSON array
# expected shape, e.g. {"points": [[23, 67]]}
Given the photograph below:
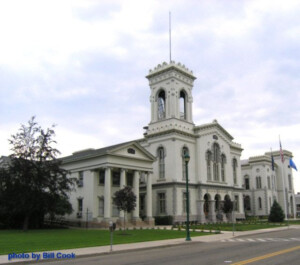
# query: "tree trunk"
{"points": [[26, 223]]}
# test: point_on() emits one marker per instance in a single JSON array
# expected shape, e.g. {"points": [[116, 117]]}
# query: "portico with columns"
{"points": [[100, 173]]}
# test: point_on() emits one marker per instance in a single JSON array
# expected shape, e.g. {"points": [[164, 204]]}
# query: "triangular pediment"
{"points": [[213, 128], [133, 150]]}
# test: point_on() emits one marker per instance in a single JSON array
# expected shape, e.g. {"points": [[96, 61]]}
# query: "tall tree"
{"points": [[33, 182], [125, 200]]}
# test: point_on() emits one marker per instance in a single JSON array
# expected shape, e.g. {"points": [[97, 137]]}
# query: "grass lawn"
{"points": [[237, 226], [15, 241]]}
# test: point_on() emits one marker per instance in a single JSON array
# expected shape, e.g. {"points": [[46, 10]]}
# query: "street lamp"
{"points": [[186, 160]]}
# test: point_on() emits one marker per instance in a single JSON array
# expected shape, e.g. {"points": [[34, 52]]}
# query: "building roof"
{"points": [[211, 125], [90, 153]]}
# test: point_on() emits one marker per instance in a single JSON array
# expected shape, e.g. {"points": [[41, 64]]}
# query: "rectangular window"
{"points": [[129, 179], [161, 203], [142, 203], [269, 183], [115, 211], [236, 203], [80, 179], [116, 179], [101, 206], [184, 197], [80, 203], [101, 177], [259, 203]]}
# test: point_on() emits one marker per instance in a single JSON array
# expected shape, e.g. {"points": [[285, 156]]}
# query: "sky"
{"points": [[81, 65]]}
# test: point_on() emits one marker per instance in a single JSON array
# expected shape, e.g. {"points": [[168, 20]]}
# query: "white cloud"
{"points": [[81, 64]]}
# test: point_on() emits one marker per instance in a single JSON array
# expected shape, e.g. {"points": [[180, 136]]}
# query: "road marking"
{"points": [[267, 256], [294, 238], [260, 240]]}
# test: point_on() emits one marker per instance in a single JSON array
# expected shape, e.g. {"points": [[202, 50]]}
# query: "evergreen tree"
{"points": [[276, 213]]}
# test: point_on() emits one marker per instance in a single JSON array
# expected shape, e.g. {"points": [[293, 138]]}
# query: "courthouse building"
{"points": [[154, 165]]}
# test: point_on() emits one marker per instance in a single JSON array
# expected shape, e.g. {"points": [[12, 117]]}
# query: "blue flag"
{"points": [[273, 165], [292, 164]]}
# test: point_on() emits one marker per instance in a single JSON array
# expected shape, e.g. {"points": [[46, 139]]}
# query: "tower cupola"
{"points": [[171, 96]]}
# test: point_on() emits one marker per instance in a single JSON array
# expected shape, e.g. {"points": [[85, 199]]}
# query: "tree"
{"points": [[276, 213], [33, 182], [228, 205], [228, 208], [125, 200]]}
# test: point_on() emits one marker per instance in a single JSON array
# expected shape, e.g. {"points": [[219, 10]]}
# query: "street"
{"points": [[276, 248]]}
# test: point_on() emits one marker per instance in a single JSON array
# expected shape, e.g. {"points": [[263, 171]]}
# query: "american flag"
{"points": [[281, 153]]}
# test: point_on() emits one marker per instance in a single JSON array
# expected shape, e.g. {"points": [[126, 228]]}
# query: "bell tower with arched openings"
{"points": [[171, 98]]}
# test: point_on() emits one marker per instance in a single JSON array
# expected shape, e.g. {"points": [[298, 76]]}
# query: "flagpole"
{"points": [[170, 47], [273, 182], [283, 184]]}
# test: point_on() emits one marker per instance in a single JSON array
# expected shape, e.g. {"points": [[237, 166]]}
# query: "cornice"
{"points": [[212, 125], [165, 67]]}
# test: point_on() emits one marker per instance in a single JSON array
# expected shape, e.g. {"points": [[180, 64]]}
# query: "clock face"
{"points": [[161, 108]]}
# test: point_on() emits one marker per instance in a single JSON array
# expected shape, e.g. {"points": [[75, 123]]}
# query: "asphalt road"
{"points": [[276, 248]]}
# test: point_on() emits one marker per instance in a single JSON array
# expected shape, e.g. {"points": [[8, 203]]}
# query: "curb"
{"points": [[121, 248]]}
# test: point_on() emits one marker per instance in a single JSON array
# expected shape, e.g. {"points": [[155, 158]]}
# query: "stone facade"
{"points": [[263, 184], [154, 165]]}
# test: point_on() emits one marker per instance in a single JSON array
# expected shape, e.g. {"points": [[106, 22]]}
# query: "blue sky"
{"points": [[82, 65]]}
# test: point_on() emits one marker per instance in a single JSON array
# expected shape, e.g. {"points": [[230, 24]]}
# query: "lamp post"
{"points": [[186, 160]]}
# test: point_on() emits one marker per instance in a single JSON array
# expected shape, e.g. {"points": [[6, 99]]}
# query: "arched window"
{"points": [[216, 160], [234, 168], [223, 162], [246, 182], [161, 162], [217, 203], [258, 182], [182, 105], [185, 151], [208, 164], [161, 105], [259, 203], [247, 203]]}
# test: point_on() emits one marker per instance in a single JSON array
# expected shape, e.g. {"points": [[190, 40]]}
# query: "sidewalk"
{"points": [[80, 252]]}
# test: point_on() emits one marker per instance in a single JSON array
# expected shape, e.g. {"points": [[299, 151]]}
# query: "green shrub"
{"points": [[163, 220]]}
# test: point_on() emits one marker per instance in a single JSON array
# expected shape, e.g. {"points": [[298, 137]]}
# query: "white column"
{"points": [[212, 211], [219, 172], [155, 110], [95, 204], [107, 194], [136, 190], [149, 196], [122, 185], [201, 214]]}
